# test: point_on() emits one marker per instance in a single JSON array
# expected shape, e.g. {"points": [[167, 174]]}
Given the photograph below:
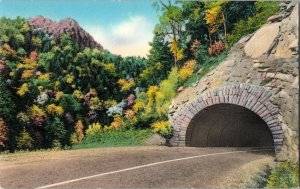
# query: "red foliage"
{"points": [[216, 48], [33, 55]]}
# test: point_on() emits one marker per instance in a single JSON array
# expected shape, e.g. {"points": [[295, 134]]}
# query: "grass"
{"points": [[116, 138]]}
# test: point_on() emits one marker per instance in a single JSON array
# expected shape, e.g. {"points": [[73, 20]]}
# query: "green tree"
{"points": [[171, 25], [6, 103]]}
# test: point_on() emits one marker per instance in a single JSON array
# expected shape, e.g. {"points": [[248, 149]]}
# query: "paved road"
{"points": [[132, 167]]}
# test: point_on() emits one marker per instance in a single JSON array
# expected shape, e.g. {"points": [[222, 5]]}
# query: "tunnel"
{"points": [[228, 125]]}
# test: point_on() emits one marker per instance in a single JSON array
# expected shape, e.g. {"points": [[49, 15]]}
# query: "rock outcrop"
{"points": [[267, 58], [70, 26]]}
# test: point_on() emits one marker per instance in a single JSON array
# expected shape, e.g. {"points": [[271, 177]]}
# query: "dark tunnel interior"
{"points": [[228, 125]]}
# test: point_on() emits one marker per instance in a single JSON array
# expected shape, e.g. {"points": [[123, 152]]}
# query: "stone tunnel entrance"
{"points": [[240, 115], [228, 125]]}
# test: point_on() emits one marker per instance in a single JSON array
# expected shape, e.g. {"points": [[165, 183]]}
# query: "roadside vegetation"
{"points": [[276, 175], [54, 94]]}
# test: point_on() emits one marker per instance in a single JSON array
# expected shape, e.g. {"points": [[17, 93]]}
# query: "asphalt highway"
{"points": [[130, 167]]}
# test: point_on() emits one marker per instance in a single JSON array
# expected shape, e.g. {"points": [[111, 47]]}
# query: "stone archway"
{"points": [[255, 99]]}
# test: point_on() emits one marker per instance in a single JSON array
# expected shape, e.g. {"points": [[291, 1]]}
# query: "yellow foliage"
{"points": [[27, 63], [110, 68], [94, 129], [176, 51], [130, 114], [117, 123], [187, 70], [109, 103], [159, 95], [54, 110], [69, 79], [23, 89], [44, 77], [78, 94], [35, 111], [162, 127], [126, 85], [151, 91], [138, 106], [79, 130], [7, 50], [27, 74], [95, 103], [213, 15]]}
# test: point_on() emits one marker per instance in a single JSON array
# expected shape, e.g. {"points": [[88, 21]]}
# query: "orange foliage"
{"points": [[3, 132]]}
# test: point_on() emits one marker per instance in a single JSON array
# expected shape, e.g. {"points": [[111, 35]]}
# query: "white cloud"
{"points": [[127, 38]]}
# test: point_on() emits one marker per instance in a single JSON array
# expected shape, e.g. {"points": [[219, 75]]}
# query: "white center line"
{"points": [[143, 166]]}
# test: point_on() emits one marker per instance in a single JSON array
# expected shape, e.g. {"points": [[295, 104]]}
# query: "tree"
{"points": [[171, 25], [6, 103], [214, 16]]}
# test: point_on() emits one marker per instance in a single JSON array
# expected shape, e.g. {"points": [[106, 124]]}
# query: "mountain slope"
{"points": [[68, 25]]}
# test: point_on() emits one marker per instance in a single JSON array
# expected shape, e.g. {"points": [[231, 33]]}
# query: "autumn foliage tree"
{"points": [[214, 16], [171, 26], [3, 133]]}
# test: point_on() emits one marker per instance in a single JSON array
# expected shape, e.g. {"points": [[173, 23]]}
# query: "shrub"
{"points": [[117, 123], [69, 103], [56, 145], [54, 110], [126, 85], [24, 140], [23, 89], [35, 111], [93, 132], [79, 130], [163, 128], [285, 175], [216, 48], [3, 133], [187, 70], [54, 130], [116, 109], [74, 139]]}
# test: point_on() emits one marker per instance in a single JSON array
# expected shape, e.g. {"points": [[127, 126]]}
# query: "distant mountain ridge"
{"points": [[68, 25]]}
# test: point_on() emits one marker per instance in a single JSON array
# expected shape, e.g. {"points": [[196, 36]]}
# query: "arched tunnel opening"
{"points": [[228, 125]]}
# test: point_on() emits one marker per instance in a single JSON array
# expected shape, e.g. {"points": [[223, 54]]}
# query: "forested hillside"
{"points": [[56, 92]]}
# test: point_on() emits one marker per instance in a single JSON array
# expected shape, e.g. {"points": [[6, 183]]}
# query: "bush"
{"points": [[55, 130], [163, 128], [285, 175], [69, 103], [24, 140], [93, 132]]}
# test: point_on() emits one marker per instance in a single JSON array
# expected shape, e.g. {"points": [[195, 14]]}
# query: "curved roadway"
{"points": [[130, 167]]}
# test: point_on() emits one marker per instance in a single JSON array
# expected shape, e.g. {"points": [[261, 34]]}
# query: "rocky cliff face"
{"points": [[70, 26], [267, 58]]}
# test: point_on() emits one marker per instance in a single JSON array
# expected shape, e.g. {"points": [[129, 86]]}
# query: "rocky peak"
{"points": [[68, 25]]}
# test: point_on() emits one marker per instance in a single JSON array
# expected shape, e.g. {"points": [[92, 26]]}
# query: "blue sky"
{"points": [[123, 27]]}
